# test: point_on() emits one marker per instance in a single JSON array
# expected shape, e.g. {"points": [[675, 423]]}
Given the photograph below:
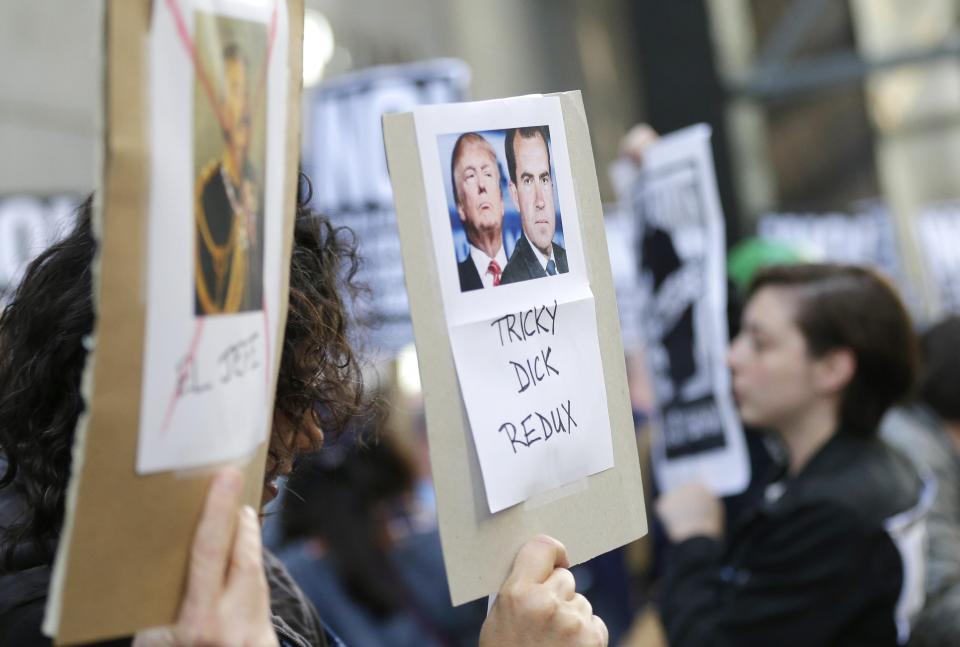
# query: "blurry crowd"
{"points": [[848, 534]]}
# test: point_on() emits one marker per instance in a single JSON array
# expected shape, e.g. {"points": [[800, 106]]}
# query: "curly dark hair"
{"points": [[43, 353], [320, 374], [42, 356]]}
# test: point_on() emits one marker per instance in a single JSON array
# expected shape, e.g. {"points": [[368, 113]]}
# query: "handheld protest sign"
{"points": [[680, 241], [522, 368], [194, 221]]}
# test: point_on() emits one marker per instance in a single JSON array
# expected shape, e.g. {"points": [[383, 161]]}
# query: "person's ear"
{"points": [[514, 195], [835, 370]]}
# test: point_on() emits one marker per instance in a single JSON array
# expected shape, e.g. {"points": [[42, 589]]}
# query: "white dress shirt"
{"points": [[482, 261]]}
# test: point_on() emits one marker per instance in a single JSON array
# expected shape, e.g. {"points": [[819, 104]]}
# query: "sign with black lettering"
{"points": [[681, 274], [512, 301], [521, 320]]}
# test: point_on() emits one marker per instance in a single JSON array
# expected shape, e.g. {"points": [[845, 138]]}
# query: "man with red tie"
{"points": [[476, 191]]}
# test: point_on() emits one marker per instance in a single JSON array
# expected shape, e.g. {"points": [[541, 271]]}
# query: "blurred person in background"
{"points": [[356, 552], [928, 432], [823, 352]]}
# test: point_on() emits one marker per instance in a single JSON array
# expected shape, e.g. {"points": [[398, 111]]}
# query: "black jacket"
{"points": [[523, 264], [813, 567], [469, 277]]}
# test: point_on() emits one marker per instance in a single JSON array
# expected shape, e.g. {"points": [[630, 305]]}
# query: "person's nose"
{"points": [[539, 195], [733, 353]]}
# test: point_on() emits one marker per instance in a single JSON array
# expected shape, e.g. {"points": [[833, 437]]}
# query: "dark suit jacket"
{"points": [[469, 278], [524, 264]]}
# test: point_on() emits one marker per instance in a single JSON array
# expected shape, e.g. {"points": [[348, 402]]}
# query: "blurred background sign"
{"points": [[344, 158], [28, 225]]}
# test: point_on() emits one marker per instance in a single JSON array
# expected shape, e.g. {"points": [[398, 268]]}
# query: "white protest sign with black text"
{"points": [[526, 351], [680, 241], [514, 310]]}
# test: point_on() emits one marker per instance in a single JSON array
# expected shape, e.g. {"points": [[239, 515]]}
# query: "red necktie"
{"points": [[494, 268]]}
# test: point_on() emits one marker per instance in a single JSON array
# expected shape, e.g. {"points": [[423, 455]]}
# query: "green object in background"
{"points": [[749, 255]]}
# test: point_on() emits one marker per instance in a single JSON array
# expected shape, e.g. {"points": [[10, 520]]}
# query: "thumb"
{"points": [[536, 560]]}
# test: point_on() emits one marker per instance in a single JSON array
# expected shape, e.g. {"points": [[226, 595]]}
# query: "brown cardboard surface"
{"points": [[122, 559], [590, 518]]}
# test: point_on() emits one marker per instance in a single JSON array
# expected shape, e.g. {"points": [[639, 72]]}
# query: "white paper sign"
{"points": [[217, 89], [517, 301], [680, 238]]}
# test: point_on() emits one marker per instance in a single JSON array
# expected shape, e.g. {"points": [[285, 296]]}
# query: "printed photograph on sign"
{"points": [[217, 94], [229, 164], [681, 282], [504, 209], [673, 247]]}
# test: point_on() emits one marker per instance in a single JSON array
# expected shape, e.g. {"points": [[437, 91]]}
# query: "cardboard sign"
{"points": [[522, 368], [188, 329], [680, 242]]}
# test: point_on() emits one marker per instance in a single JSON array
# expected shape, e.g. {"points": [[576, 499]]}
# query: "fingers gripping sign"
{"points": [[538, 604], [227, 601]]}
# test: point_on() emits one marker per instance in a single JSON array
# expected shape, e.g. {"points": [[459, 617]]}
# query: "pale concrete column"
{"points": [[913, 109]]}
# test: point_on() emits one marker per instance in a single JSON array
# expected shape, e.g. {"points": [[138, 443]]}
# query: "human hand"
{"points": [[690, 510], [538, 603], [227, 602], [637, 142]]}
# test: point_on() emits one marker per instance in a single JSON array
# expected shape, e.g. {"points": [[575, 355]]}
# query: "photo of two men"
{"points": [[499, 240]]}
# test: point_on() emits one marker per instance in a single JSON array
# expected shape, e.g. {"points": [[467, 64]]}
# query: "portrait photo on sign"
{"points": [[218, 95], [229, 104], [504, 208]]}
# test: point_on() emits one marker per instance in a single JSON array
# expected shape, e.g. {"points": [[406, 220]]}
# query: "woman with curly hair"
{"points": [[43, 333]]}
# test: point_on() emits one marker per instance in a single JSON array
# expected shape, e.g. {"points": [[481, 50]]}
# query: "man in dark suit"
{"points": [[531, 186], [227, 213], [476, 190]]}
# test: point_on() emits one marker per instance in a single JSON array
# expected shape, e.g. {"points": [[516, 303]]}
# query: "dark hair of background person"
{"points": [[338, 497], [842, 306], [524, 133], [939, 384], [42, 356]]}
